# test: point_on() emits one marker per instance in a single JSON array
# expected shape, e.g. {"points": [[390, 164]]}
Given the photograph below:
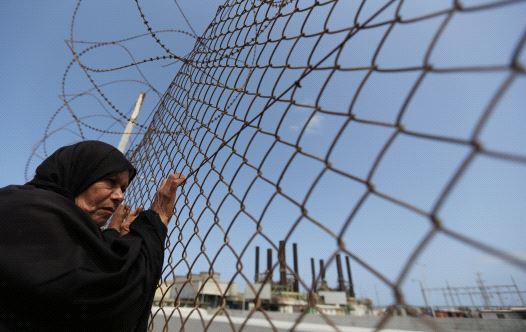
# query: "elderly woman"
{"points": [[58, 270]]}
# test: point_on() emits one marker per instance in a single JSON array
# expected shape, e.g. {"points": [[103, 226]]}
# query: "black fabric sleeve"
{"points": [[110, 234], [54, 257], [153, 232]]}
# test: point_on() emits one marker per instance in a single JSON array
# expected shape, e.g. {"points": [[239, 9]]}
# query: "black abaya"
{"points": [[58, 271]]}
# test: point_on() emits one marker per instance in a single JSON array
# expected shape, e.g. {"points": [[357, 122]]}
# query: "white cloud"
{"points": [[315, 124]]}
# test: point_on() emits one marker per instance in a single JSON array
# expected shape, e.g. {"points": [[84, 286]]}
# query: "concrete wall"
{"points": [[396, 323]]}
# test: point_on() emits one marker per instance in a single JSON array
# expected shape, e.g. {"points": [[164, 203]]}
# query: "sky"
{"points": [[487, 204]]}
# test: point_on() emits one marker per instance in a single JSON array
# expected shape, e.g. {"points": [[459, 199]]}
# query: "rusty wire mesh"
{"points": [[294, 121]]}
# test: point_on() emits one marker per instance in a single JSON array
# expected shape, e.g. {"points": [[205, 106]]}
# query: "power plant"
{"points": [[290, 294], [282, 295]]}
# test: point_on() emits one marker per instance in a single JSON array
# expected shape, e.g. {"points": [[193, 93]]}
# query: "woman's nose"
{"points": [[117, 195]]}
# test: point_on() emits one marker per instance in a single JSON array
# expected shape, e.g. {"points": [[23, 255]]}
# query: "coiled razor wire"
{"points": [[293, 121]]}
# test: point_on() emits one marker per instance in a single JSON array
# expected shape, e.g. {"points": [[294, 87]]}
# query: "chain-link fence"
{"points": [[326, 144]]}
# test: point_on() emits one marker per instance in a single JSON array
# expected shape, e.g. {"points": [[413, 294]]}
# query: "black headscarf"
{"points": [[72, 169]]}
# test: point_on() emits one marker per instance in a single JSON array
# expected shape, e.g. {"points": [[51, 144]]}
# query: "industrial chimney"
{"points": [[349, 275], [296, 271], [256, 277], [282, 264], [341, 281], [322, 274], [313, 270], [269, 265]]}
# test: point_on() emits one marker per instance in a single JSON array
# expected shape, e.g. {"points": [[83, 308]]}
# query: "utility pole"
{"points": [[129, 127], [499, 296], [445, 296], [423, 290], [377, 296], [483, 290], [471, 298], [455, 290], [450, 293], [517, 290]]}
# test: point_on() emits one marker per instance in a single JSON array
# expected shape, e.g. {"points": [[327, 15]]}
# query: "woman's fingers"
{"points": [[134, 214], [178, 179], [164, 201], [118, 216], [125, 227], [163, 204], [171, 183]]}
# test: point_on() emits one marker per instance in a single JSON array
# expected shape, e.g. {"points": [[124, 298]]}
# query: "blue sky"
{"points": [[487, 204]]}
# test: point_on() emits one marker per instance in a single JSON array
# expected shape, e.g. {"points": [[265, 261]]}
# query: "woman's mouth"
{"points": [[109, 210]]}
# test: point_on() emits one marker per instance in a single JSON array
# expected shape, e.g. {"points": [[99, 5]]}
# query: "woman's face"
{"points": [[102, 198]]}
